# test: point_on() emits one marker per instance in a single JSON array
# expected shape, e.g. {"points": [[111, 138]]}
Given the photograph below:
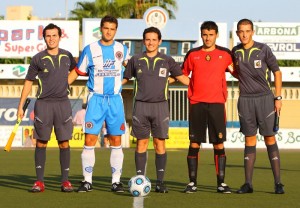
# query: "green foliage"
{"points": [[289, 63], [12, 61], [119, 9]]}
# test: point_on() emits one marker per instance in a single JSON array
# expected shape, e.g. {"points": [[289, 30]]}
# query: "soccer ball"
{"points": [[139, 185]]}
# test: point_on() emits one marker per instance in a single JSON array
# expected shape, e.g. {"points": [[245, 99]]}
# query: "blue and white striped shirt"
{"points": [[104, 66]]}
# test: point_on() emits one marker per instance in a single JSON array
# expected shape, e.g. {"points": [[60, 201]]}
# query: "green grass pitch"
{"points": [[17, 175]]}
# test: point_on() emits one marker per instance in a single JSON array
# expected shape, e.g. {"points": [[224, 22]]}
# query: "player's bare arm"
{"points": [[171, 80], [278, 86], [183, 79], [25, 92], [124, 81], [72, 76]]}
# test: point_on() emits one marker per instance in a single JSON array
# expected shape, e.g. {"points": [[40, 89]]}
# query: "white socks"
{"points": [[88, 162], [116, 163]]}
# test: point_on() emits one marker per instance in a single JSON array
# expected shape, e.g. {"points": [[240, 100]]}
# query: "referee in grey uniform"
{"points": [[52, 107], [257, 105], [151, 70]]}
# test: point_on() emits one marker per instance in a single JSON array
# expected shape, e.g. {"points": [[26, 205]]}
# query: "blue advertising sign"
{"points": [[9, 108]]}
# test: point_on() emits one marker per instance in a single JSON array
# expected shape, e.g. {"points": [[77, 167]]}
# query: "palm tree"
{"points": [[121, 8], [96, 9]]}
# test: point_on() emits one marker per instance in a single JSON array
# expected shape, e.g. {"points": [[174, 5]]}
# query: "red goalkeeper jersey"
{"points": [[207, 72]]}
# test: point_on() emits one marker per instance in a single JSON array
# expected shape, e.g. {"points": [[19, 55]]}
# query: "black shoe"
{"points": [[223, 188], [117, 187], [85, 187], [245, 188], [190, 188], [279, 188], [161, 187]]}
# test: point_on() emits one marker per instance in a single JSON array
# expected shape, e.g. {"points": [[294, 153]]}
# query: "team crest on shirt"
{"points": [[257, 64], [162, 72], [119, 55], [88, 125], [220, 135], [220, 57], [207, 57]]}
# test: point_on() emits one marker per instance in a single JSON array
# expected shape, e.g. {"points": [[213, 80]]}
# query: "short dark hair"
{"points": [[50, 27], [209, 25], [109, 18], [152, 30], [244, 22]]}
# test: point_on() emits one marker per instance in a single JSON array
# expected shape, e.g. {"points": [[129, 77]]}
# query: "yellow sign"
{"points": [[77, 138], [178, 138]]}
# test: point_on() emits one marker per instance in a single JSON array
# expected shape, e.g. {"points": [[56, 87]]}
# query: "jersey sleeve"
{"points": [[230, 67], [129, 70], [73, 62], [33, 69], [126, 55], [83, 62], [187, 65], [174, 67], [271, 60]]}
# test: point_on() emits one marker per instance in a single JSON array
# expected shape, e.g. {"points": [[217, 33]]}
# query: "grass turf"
{"points": [[17, 175]]}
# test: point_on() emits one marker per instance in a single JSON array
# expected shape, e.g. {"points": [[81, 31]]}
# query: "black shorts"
{"points": [[53, 113], [211, 116], [150, 117]]}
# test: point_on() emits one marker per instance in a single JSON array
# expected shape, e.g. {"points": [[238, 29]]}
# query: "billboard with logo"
{"points": [[19, 71], [283, 38], [21, 38], [9, 109]]}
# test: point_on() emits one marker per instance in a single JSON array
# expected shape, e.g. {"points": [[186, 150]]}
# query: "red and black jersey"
{"points": [[208, 81]]}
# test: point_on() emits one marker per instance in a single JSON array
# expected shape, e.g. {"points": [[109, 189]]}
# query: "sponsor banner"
{"points": [[19, 71], [289, 74], [286, 139], [282, 38], [21, 38], [222, 40], [24, 134], [9, 108], [25, 137], [178, 138], [77, 139]]}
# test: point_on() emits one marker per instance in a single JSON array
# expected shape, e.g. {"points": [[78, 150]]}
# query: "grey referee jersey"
{"points": [[52, 72], [254, 67], [151, 84]]}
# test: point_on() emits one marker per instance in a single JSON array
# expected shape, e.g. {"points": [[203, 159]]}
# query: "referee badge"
{"points": [[207, 57], [257, 64], [162, 72]]}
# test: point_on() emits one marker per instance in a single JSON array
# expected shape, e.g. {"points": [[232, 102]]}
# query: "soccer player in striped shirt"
{"points": [[103, 62]]}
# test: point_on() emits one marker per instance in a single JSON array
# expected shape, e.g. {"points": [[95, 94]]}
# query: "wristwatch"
{"points": [[278, 98]]}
